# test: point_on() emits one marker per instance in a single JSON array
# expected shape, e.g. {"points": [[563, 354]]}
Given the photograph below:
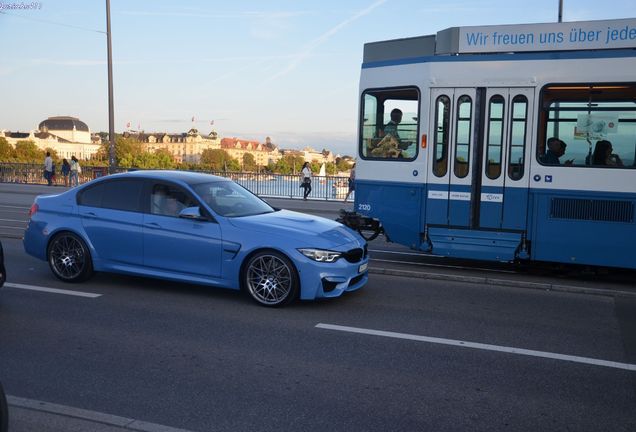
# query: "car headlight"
{"points": [[320, 255]]}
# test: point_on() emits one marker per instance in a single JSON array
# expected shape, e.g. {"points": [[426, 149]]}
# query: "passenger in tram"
{"points": [[603, 155], [556, 149]]}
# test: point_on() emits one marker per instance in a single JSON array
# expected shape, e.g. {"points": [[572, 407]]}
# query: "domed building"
{"points": [[68, 128], [68, 136]]}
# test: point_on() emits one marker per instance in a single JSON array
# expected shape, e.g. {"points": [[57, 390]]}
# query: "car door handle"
{"points": [[89, 215], [152, 225]]}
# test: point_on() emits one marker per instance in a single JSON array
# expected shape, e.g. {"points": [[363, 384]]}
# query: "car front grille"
{"points": [[355, 255]]}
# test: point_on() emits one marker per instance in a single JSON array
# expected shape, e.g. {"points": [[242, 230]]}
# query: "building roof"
{"points": [[62, 123]]}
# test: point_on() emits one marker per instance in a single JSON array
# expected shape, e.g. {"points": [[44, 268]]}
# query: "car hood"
{"points": [[307, 230]]}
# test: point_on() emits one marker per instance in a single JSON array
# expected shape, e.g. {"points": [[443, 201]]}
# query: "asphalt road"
{"points": [[404, 353]]}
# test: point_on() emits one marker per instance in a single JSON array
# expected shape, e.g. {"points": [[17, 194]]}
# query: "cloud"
{"points": [[307, 50]]}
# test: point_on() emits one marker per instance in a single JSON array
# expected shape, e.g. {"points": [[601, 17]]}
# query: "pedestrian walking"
{"points": [[48, 169], [306, 180], [352, 181]]}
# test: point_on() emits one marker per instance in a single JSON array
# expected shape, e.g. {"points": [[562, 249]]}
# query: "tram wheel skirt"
{"points": [[474, 244]]}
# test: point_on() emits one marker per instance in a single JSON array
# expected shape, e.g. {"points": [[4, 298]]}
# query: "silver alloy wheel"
{"points": [[68, 258], [270, 280]]}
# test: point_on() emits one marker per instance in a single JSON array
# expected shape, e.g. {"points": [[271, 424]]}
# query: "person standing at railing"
{"points": [[76, 170], [48, 169]]}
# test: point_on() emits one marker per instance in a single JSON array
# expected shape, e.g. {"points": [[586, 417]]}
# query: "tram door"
{"points": [[478, 167], [503, 198], [453, 126]]}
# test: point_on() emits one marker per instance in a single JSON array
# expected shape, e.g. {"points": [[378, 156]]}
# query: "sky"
{"points": [[284, 69]]}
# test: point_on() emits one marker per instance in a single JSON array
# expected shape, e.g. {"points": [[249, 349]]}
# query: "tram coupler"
{"points": [[368, 228]]}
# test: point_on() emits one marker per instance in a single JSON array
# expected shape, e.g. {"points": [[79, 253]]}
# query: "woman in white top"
{"points": [[306, 183], [76, 170]]}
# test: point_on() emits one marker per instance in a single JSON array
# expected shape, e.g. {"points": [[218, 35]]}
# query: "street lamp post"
{"points": [[112, 162]]}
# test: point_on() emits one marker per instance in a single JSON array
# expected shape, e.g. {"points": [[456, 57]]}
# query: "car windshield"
{"points": [[229, 199]]}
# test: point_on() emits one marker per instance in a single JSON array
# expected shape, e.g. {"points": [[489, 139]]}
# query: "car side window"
{"points": [[167, 200], [114, 194]]}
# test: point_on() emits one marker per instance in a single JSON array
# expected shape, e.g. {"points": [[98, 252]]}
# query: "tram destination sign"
{"points": [[567, 36]]}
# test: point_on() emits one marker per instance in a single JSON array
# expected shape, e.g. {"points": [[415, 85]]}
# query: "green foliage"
{"points": [[128, 152], [27, 151], [288, 164], [249, 162], [219, 160], [6, 150], [330, 168], [342, 165]]}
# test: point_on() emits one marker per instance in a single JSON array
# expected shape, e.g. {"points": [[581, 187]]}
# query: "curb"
{"points": [[93, 416], [542, 286]]}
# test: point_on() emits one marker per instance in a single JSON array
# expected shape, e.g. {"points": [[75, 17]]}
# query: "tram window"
{"points": [[389, 124], [596, 121], [495, 136], [517, 151], [442, 133], [462, 140]]}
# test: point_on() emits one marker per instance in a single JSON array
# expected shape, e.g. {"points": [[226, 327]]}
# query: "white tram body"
{"points": [[470, 173]]}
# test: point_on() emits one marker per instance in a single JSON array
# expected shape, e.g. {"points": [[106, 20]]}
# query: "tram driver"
{"points": [[391, 130]]}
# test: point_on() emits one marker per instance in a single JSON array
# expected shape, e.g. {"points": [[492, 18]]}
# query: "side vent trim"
{"points": [[592, 210]]}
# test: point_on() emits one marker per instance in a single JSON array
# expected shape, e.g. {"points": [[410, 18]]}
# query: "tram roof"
{"points": [[565, 36]]}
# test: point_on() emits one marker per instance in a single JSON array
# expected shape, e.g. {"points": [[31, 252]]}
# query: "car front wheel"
{"points": [[271, 279], [69, 258]]}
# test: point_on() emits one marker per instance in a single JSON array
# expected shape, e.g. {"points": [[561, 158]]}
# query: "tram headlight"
{"points": [[320, 255]]}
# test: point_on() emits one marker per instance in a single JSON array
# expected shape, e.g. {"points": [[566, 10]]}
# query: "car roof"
{"points": [[188, 177]]}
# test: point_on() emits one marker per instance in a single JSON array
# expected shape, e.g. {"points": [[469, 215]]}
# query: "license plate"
{"points": [[363, 267]]}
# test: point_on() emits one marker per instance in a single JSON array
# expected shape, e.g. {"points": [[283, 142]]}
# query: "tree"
{"points": [[6, 150], [164, 159], [126, 151], [27, 151], [218, 160], [249, 163], [343, 164]]}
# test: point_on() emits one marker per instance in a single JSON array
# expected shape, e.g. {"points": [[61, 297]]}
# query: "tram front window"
{"points": [[389, 123], [598, 123]]}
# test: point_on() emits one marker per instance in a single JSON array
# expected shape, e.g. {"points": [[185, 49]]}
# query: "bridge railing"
{"points": [[261, 184]]}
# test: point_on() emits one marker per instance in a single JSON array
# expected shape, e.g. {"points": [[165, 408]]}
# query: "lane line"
{"points": [[52, 290], [92, 416], [486, 347], [11, 206]]}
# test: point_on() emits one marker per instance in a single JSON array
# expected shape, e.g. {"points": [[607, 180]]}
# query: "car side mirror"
{"points": [[191, 213]]}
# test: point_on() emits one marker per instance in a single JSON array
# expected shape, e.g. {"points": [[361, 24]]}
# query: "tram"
{"points": [[504, 143]]}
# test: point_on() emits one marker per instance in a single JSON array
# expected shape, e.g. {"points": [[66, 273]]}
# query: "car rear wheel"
{"points": [[271, 279], [69, 258]]}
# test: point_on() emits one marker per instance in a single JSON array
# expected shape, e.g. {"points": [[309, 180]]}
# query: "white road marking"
{"points": [[93, 416], [52, 290], [475, 345], [10, 206]]}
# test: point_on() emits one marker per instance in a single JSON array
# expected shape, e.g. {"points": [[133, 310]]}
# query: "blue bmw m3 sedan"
{"points": [[195, 228]]}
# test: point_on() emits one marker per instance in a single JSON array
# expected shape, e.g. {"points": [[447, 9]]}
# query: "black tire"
{"points": [[4, 411], [270, 278], [69, 258]]}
